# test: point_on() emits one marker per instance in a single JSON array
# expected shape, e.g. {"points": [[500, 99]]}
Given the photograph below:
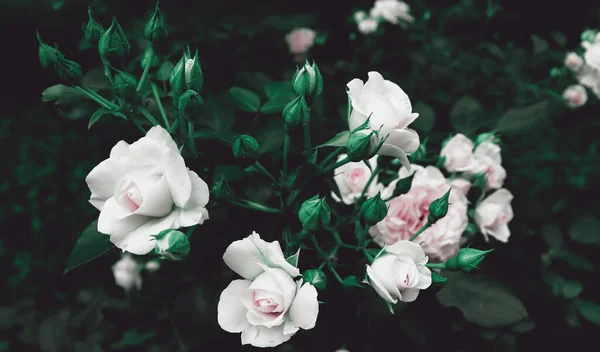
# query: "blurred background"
{"points": [[553, 170]]}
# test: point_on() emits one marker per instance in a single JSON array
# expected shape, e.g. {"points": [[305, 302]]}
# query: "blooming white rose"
{"points": [[127, 273], [489, 162], [352, 178], [590, 78], [494, 213], [408, 213], [390, 113], [268, 307], [300, 40], [458, 153], [575, 96], [400, 272], [392, 11], [368, 25], [145, 188], [592, 54], [573, 62]]}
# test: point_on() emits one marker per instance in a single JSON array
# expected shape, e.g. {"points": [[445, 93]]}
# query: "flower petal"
{"points": [[305, 309], [260, 336], [194, 212], [376, 283], [231, 313], [391, 150], [113, 222], [142, 240], [375, 84], [101, 180], [159, 134], [414, 250], [501, 233], [409, 295], [405, 139]]}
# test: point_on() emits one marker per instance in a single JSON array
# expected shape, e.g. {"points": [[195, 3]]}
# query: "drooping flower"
{"points": [[494, 213]]}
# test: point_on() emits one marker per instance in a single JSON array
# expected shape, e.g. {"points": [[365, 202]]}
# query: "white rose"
{"points": [[573, 62], [458, 153], [368, 25], [461, 184], [127, 273], [489, 161], [494, 213], [145, 188], [575, 96], [592, 54], [590, 78], [352, 178], [391, 11], [400, 273], [390, 111], [268, 307], [359, 16]]}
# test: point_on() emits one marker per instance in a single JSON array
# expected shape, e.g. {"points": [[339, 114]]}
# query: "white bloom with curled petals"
{"points": [[145, 188], [392, 11], [390, 114], [494, 213], [268, 306]]}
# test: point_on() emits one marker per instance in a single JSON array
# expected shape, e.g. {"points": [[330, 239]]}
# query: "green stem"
{"points": [[335, 273], [308, 143], [332, 167], [146, 68], [373, 175], [318, 248], [332, 156], [264, 171], [137, 124], [160, 106], [97, 98], [368, 255], [175, 124], [427, 224], [436, 265], [338, 239], [254, 206], [149, 116], [286, 151], [191, 137]]}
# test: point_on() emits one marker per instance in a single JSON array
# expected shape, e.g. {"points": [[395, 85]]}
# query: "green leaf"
{"points": [[271, 136], [483, 301], [590, 311], [217, 114], [62, 94], [559, 38], [96, 116], [571, 289], [426, 120], [229, 172], [539, 44], [294, 258], [552, 235], [466, 115], [351, 281], [438, 279], [90, 245], [574, 260], [521, 120], [244, 99], [133, 338], [340, 140], [255, 81], [277, 89], [586, 230], [274, 105]]}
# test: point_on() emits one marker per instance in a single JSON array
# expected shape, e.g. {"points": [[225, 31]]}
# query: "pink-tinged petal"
{"points": [[101, 180], [409, 295], [424, 277], [231, 313], [305, 309], [265, 337], [485, 214], [501, 196], [157, 200], [285, 283], [490, 150], [501, 233], [112, 222], [142, 240], [194, 212], [393, 151], [159, 134], [405, 139], [376, 283]]}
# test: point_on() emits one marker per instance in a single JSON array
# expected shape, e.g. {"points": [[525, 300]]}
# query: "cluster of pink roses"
{"points": [[586, 68]]}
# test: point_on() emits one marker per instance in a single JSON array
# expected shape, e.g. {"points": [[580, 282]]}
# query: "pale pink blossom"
{"points": [[494, 213], [458, 154], [575, 96], [573, 62], [300, 40]]}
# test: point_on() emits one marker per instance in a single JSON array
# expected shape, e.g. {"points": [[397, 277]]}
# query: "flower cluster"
{"points": [[392, 11], [585, 66]]}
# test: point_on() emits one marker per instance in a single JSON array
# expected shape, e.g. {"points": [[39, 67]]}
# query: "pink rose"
{"points": [[573, 62], [408, 213], [458, 154], [575, 96], [351, 178], [494, 213], [300, 40], [460, 184], [489, 162]]}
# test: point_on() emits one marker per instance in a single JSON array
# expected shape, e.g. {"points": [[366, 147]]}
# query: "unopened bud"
{"points": [[113, 43], [373, 210], [314, 214], [172, 244]]}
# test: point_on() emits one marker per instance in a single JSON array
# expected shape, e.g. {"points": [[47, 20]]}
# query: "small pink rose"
{"points": [[300, 40], [458, 154], [575, 96], [573, 62]]}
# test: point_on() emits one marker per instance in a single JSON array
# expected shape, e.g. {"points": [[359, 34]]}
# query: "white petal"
{"points": [[405, 139], [490, 150], [194, 212], [392, 150], [375, 84], [424, 277], [501, 233], [285, 284], [305, 309], [141, 240], [409, 295], [376, 283], [399, 100], [159, 134], [101, 180], [355, 88], [356, 119], [501, 196], [113, 222], [414, 250], [120, 149], [157, 200], [261, 336], [289, 328], [231, 313]]}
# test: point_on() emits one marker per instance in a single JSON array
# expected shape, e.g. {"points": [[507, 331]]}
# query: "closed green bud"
{"points": [[69, 71], [403, 185], [245, 147], [466, 260], [48, 55], [124, 85], [155, 28], [373, 210], [92, 30], [438, 279], [172, 244], [296, 113], [191, 102], [308, 81], [187, 74], [314, 214], [360, 144], [221, 189], [438, 208], [588, 35], [113, 43], [316, 277], [487, 137]]}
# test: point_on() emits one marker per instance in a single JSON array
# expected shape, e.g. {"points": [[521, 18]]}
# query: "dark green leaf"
{"points": [[90, 245], [521, 120], [217, 114], [590, 311], [229, 172], [62, 94], [255, 81], [466, 115], [244, 99], [271, 136], [351, 281], [339, 140], [274, 105], [552, 235], [574, 260], [571, 289], [96, 116], [586, 230], [483, 301], [277, 89]]}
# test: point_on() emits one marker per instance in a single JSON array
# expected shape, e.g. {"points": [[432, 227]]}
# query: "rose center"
{"points": [[132, 198]]}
